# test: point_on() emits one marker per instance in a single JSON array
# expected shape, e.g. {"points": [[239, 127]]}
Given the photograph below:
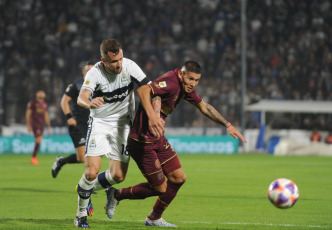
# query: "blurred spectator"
{"points": [[315, 136], [328, 139], [289, 52]]}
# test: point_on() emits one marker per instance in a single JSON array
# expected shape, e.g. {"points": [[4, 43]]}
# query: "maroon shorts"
{"points": [[38, 130], [155, 160]]}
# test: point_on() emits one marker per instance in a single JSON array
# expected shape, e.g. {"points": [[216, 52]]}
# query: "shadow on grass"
{"points": [[40, 190]]}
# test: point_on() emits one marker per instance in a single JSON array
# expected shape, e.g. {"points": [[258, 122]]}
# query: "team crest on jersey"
{"points": [[92, 144], [162, 84], [87, 82], [124, 78]]}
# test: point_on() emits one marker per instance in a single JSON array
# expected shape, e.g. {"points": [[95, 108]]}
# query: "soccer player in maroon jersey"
{"points": [[150, 149], [36, 116]]}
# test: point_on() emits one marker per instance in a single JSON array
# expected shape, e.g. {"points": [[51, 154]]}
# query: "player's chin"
{"points": [[189, 90], [118, 70]]}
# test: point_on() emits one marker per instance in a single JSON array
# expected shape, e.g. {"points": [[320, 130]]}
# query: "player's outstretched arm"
{"points": [[156, 124], [214, 115]]}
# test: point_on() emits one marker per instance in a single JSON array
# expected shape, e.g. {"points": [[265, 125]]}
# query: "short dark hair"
{"points": [[109, 45], [191, 66]]}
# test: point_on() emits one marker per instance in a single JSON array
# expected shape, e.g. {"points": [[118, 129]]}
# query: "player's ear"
{"points": [[180, 75]]}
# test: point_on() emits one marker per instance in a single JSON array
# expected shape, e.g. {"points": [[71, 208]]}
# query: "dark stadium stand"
{"points": [[289, 51]]}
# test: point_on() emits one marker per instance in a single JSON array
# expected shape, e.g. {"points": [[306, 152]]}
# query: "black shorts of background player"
{"points": [[77, 119]]}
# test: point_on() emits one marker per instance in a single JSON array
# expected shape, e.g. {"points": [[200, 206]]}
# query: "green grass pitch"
{"points": [[221, 192]]}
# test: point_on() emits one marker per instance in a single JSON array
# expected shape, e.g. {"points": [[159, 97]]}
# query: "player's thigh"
{"points": [[98, 138], [168, 157], [147, 161], [118, 137], [78, 134]]}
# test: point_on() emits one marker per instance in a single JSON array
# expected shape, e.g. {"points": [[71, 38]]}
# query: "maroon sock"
{"points": [[35, 151], [164, 200], [139, 191]]}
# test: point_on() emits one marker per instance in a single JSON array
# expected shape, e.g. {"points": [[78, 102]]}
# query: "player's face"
{"points": [[114, 62], [40, 96], [189, 80]]}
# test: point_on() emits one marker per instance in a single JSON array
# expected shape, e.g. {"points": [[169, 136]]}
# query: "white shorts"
{"points": [[109, 139]]}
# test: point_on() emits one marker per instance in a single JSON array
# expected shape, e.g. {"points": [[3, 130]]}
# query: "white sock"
{"points": [[83, 203], [103, 180]]}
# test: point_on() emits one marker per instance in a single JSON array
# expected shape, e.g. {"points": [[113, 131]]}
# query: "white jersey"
{"points": [[116, 89]]}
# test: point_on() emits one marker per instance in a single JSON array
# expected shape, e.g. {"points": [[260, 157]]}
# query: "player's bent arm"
{"points": [[156, 123], [144, 93], [156, 105], [65, 104], [83, 98]]}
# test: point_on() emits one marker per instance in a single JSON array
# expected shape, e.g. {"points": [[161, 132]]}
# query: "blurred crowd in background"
{"points": [[289, 52]]}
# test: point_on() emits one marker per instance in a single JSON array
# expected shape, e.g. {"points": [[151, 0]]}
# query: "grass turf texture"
{"points": [[221, 192]]}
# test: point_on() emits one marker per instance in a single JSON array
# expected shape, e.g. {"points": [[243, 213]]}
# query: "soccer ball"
{"points": [[283, 193]]}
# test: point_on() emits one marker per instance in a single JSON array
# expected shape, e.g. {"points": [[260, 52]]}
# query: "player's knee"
{"points": [[90, 175], [183, 179], [161, 188], [118, 178]]}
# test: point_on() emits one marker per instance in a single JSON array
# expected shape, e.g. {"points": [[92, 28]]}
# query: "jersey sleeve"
{"points": [[71, 90], [163, 85], [91, 80]]}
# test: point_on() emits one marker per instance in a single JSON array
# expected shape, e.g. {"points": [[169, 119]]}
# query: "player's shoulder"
{"points": [[170, 76], [96, 69], [129, 64]]}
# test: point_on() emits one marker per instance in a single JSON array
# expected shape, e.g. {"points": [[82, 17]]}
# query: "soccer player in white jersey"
{"points": [[108, 91]]}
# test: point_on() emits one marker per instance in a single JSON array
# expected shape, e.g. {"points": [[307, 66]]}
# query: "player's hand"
{"points": [[235, 133], [71, 122], [157, 126], [96, 102], [29, 128]]}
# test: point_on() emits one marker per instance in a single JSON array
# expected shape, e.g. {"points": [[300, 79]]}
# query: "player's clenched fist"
{"points": [[96, 102]]}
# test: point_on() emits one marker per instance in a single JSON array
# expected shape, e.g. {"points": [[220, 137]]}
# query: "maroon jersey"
{"points": [[168, 88], [38, 110]]}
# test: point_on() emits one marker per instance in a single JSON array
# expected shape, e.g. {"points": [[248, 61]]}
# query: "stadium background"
{"points": [[289, 55]]}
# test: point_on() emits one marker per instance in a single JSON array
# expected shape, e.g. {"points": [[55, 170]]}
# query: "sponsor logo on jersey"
{"points": [[117, 95], [87, 82], [162, 84]]}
